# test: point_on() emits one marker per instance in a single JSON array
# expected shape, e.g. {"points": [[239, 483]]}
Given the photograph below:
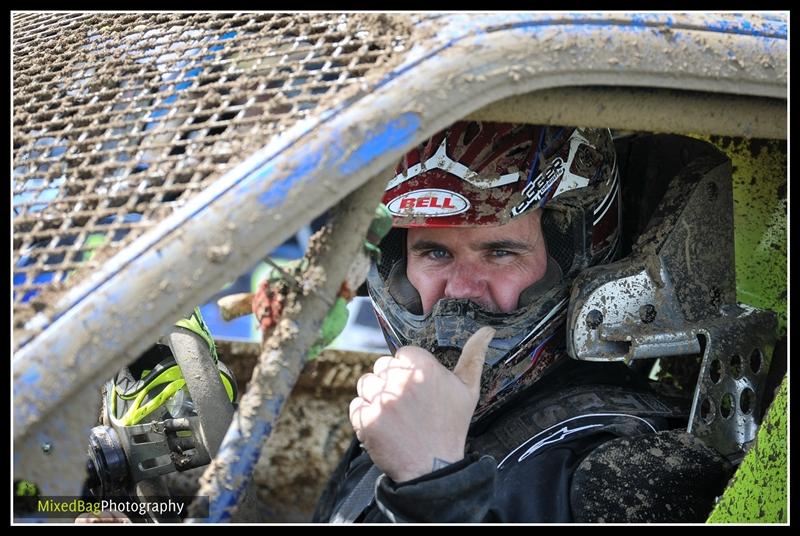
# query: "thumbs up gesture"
{"points": [[412, 414]]}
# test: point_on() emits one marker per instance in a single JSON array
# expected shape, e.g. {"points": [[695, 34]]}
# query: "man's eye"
{"points": [[501, 253], [437, 254]]}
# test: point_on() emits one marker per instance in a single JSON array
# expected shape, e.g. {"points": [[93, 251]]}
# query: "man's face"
{"points": [[490, 266]]}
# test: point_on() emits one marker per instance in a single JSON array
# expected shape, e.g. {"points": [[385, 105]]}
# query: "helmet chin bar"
{"points": [[675, 295], [455, 320], [516, 356]]}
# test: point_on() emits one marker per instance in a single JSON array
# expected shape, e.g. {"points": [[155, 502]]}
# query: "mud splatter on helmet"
{"points": [[484, 174]]}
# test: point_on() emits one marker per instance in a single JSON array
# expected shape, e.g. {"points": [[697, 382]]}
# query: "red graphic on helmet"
{"points": [[430, 202], [485, 164]]}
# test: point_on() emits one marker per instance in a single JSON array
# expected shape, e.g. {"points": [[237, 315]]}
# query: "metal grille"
{"points": [[120, 118]]}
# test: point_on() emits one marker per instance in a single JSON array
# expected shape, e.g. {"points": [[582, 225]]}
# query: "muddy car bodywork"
{"points": [[702, 75]]}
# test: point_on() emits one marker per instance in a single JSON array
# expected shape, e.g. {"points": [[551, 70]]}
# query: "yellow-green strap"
{"points": [[174, 378], [195, 324]]}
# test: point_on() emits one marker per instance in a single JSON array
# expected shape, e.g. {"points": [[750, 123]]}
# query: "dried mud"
{"points": [[309, 438]]}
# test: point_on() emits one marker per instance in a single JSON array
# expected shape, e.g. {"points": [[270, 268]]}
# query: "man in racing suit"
{"points": [[480, 416]]}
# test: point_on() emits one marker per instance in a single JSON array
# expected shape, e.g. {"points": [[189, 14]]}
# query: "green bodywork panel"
{"points": [[758, 491], [759, 216]]}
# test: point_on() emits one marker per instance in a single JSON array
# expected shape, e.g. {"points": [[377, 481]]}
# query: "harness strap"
{"points": [[358, 499]]}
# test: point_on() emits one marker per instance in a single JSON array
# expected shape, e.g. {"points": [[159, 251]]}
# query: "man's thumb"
{"points": [[470, 364]]}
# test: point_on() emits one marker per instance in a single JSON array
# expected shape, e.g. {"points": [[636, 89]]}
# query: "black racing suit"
{"points": [[593, 443]]}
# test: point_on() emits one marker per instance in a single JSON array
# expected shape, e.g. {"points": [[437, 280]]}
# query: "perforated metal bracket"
{"points": [[676, 296], [725, 411]]}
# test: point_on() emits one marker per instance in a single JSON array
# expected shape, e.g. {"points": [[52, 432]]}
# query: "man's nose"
{"points": [[465, 281]]}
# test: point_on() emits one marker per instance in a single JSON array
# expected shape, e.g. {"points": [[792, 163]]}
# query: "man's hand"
{"points": [[412, 414]]}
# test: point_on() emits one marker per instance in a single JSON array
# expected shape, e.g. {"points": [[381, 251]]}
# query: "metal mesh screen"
{"points": [[120, 118]]}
